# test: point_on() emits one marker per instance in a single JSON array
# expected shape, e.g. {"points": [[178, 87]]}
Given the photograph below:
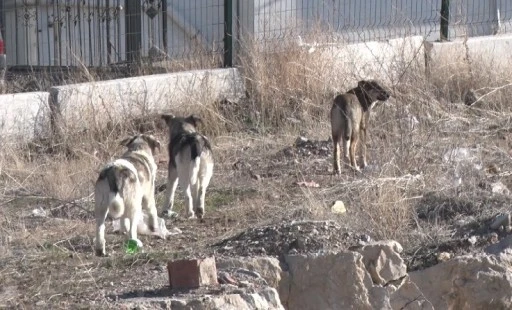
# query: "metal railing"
{"points": [[99, 33]]}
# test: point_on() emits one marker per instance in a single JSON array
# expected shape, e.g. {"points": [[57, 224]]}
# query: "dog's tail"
{"points": [[110, 188]]}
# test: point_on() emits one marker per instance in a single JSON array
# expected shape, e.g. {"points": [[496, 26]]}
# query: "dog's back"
{"points": [[117, 182], [346, 116]]}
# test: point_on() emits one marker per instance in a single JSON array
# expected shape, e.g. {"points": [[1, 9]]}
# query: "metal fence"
{"points": [[107, 32]]}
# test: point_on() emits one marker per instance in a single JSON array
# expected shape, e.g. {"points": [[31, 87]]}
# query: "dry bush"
{"points": [[286, 87]]}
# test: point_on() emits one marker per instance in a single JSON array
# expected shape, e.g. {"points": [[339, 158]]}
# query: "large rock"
{"points": [[337, 280], [409, 297], [268, 267], [265, 299], [383, 262], [468, 282], [332, 281]]}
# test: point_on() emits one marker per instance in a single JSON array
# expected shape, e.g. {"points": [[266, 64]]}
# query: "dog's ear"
{"points": [[152, 141], [362, 83], [127, 141], [193, 120], [168, 117]]}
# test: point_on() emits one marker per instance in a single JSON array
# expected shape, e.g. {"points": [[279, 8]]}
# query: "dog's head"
{"points": [[374, 90], [178, 125], [143, 142]]}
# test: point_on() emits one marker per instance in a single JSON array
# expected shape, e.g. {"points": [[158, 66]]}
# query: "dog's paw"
{"points": [[139, 243], [199, 213], [101, 253], [191, 215]]}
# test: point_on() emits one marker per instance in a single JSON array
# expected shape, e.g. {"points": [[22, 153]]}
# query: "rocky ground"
{"points": [[268, 198]]}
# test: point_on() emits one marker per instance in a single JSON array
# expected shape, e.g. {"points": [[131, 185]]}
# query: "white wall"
{"points": [[23, 117]]}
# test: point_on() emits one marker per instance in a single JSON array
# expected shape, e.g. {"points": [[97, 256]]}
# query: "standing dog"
{"points": [[350, 114], [125, 187], [190, 164]]}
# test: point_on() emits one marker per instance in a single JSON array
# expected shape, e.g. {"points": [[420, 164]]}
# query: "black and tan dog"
{"points": [[190, 164], [125, 187], [350, 114]]}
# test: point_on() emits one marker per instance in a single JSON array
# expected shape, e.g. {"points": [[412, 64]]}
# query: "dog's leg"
{"points": [[364, 137], [203, 182], [190, 202], [125, 225], [346, 149], [134, 217], [185, 178], [352, 151], [133, 211], [336, 155], [101, 215], [172, 184], [363, 146], [149, 204]]}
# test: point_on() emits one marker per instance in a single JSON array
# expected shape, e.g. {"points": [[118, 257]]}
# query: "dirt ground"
{"points": [[256, 206]]}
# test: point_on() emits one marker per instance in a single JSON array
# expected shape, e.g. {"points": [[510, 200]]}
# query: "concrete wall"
{"points": [[23, 117], [384, 60], [95, 104], [80, 106], [490, 51]]}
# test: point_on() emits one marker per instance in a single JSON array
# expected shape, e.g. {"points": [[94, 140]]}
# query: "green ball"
{"points": [[131, 246]]}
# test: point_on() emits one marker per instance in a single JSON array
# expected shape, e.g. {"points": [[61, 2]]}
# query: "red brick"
{"points": [[192, 273]]}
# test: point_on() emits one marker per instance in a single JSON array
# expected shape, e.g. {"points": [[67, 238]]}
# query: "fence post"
{"points": [[133, 30], [164, 25], [445, 19], [228, 33]]}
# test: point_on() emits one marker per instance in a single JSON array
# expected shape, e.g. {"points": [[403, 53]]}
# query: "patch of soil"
{"points": [[288, 238]]}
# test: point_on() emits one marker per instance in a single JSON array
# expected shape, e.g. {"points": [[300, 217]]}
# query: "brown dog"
{"points": [[350, 114]]}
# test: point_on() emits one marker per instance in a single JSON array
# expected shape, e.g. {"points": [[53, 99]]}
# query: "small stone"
{"points": [[245, 284], [248, 272], [443, 256], [300, 141], [338, 207], [472, 240], [500, 188], [493, 238], [225, 278], [39, 212]]}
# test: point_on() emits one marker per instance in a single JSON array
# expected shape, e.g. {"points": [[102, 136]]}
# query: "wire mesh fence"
{"points": [[107, 32], [96, 33]]}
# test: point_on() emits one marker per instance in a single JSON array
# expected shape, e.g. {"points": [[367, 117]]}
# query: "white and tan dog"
{"points": [[125, 187], [190, 164]]}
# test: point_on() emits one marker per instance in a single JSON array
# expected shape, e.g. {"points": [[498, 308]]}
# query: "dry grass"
{"points": [[289, 95]]}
